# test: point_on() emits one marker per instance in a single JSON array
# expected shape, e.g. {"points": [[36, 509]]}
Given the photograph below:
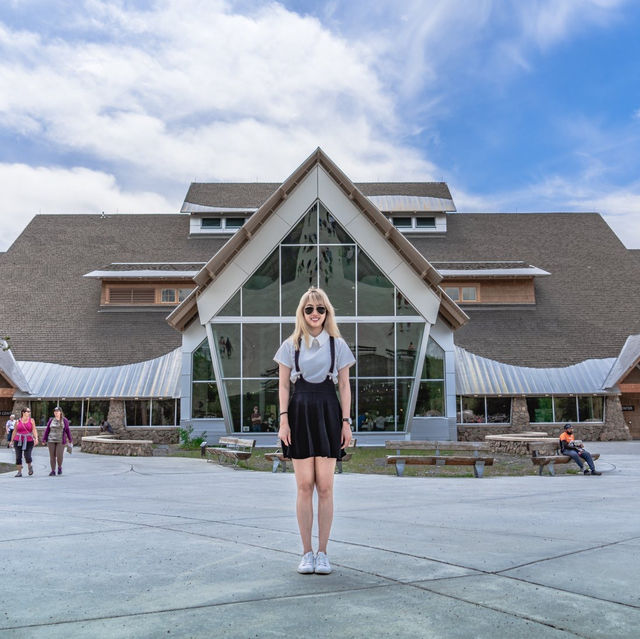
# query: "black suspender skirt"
{"points": [[315, 417]]}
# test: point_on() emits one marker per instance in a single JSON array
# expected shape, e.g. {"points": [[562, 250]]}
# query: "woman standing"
{"points": [[23, 439], [57, 435], [314, 426]]}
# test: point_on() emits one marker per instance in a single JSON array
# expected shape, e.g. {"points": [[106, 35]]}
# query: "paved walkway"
{"points": [[151, 547]]}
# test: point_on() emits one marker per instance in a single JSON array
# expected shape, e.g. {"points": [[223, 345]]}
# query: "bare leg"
{"points": [[305, 480], [325, 468]]}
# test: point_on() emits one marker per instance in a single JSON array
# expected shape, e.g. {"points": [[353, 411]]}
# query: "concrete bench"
{"points": [[231, 449], [400, 461], [278, 459], [542, 457]]}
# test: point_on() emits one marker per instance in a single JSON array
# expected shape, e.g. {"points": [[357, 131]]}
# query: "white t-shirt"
{"points": [[315, 361]]}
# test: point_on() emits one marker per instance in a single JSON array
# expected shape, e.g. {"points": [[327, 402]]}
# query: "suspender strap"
{"points": [[332, 346], [297, 355]]}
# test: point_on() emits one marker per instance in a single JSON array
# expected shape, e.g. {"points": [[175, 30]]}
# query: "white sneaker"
{"points": [[323, 567], [307, 564]]}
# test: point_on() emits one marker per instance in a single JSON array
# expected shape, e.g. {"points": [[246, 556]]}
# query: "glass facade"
{"points": [[483, 410], [381, 327], [585, 408]]}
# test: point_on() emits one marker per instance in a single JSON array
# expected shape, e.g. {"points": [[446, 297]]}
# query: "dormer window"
{"points": [[222, 224]]}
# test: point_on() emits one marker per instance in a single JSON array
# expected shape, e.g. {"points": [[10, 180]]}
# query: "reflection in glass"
{"points": [[95, 411], [348, 334], [259, 344], [232, 307], [137, 412], [409, 336], [590, 409], [264, 395], [205, 401], [337, 277], [72, 411], [41, 411], [234, 393], [376, 354], [202, 366], [430, 399], [566, 410], [403, 306], [376, 404], [498, 410], [299, 272], [375, 291], [260, 294], [227, 338], [163, 412], [404, 394], [473, 410], [330, 230], [306, 230], [540, 409], [433, 362]]}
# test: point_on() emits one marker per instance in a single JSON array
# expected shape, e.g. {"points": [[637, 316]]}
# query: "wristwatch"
{"points": [[348, 420]]}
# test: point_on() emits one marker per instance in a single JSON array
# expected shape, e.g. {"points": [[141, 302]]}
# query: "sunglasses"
{"points": [[321, 310]]}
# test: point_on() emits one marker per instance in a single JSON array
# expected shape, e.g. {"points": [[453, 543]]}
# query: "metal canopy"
{"points": [[477, 375], [628, 358], [155, 378]]}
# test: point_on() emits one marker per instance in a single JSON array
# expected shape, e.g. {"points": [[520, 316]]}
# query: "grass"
{"points": [[371, 461], [5, 468]]}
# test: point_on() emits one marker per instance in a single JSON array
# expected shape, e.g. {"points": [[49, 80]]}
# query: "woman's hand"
{"points": [[346, 434], [284, 433]]}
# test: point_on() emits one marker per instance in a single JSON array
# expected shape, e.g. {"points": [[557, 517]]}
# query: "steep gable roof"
{"points": [[188, 310]]}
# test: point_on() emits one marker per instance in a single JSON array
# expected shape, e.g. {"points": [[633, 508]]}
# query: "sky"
{"points": [[520, 106]]}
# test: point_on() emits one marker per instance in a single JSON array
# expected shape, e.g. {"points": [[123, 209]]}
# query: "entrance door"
{"points": [[631, 413]]}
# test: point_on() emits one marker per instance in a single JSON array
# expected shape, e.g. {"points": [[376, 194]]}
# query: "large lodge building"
{"points": [[462, 324]]}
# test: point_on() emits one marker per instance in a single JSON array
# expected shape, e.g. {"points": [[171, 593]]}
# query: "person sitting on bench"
{"points": [[575, 449]]}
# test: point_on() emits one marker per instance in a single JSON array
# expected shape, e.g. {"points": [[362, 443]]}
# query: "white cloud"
{"points": [[27, 191]]}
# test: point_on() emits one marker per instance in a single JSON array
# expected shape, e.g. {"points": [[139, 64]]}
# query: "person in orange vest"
{"points": [[575, 449]]}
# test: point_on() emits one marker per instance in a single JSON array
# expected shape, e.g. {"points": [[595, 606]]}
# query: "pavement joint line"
{"points": [[569, 554], [204, 606], [540, 622]]}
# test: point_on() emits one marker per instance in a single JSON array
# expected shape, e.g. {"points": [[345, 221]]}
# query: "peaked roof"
{"points": [[627, 360], [186, 312], [10, 369]]}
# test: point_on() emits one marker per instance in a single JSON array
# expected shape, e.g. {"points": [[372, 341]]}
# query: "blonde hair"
{"points": [[317, 297]]}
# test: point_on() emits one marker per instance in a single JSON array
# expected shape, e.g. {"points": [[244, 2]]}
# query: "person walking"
{"points": [[23, 439], [9, 427], [56, 436], [315, 427], [574, 448]]}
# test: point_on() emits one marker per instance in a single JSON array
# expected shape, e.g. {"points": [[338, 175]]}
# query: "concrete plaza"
{"points": [[172, 547]]}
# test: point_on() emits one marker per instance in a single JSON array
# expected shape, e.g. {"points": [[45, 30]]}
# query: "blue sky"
{"points": [[521, 106]]}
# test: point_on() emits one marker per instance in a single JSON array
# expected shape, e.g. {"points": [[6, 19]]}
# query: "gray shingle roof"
{"points": [[52, 312], [253, 194], [585, 309]]}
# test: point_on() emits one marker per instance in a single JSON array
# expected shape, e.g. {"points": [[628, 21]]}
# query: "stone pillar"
{"points": [[615, 427], [18, 405], [116, 418], [519, 415]]}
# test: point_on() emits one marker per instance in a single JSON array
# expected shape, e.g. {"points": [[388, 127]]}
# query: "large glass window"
{"points": [[163, 412], [590, 409], [201, 361], [483, 410], [95, 411], [375, 291], [431, 390], [137, 412], [540, 409], [205, 401], [319, 252], [566, 409], [498, 410]]}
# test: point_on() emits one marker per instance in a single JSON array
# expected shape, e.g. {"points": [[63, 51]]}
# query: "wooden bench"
{"points": [[278, 459], [549, 456], [231, 449], [476, 461]]}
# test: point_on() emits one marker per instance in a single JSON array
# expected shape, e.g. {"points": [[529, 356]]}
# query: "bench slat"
{"points": [[445, 460], [404, 444]]}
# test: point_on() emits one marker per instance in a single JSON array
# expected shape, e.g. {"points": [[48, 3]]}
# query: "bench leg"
{"points": [[540, 469], [276, 464], [552, 470], [339, 466], [399, 468], [478, 469]]}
